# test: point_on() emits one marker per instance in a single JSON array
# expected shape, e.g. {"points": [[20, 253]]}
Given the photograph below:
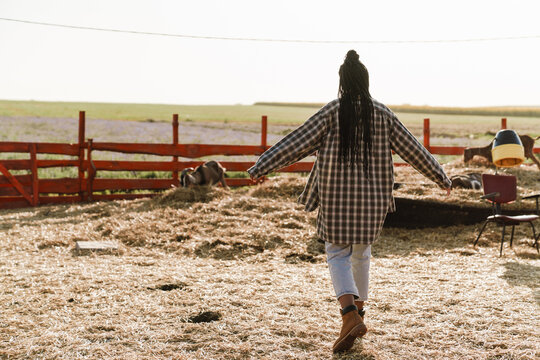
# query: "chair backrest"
{"points": [[503, 184]]}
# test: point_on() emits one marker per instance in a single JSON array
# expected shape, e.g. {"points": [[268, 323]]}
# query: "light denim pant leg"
{"points": [[349, 269]]}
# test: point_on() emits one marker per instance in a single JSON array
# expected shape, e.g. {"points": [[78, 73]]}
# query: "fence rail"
{"points": [[28, 190]]}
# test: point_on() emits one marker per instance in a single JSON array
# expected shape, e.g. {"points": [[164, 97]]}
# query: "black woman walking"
{"points": [[351, 182]]}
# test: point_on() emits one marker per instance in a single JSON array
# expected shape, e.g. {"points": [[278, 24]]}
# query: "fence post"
{"points": [[426, 133], [35, 180], [175, 142], [82, 125], [264, 129], [503, 123], [91, 173]]}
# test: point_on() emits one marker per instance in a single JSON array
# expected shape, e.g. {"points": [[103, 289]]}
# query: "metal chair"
{"points": [[502, 189], [535, 196]]}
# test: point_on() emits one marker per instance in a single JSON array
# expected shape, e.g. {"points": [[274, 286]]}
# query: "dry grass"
{"points": [[249, 260]]}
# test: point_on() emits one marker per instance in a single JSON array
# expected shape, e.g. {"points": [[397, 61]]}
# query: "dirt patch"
{"points": [[219, 249], [205, 317], [51, 243], [295, 258], [169, 287]]}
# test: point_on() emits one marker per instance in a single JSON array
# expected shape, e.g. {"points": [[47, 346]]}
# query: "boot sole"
{"points": [[348, 340]]}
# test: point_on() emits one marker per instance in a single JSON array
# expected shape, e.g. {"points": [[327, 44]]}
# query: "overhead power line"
{"points": [[186, 36]]}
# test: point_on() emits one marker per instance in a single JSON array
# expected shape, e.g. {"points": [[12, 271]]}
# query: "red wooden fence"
{"points": [[28, 190]]}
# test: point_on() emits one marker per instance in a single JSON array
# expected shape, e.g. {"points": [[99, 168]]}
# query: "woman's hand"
{"points": [[256, 179]]}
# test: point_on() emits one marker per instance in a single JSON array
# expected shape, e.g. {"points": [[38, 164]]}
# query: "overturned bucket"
{"points": [[507, 149]]}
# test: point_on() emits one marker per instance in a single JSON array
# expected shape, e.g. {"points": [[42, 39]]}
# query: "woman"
{"points": [[351, 182]]}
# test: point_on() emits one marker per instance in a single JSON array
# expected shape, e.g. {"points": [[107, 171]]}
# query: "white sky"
{"points": [[47, 63]]}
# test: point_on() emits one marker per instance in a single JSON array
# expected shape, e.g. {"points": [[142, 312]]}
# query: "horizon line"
{"points": [[268, 103]]}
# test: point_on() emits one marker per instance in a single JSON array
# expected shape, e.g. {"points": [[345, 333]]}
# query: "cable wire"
{"points": [[185, 36]]}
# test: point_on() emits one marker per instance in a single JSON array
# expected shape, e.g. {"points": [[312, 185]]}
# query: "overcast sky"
{"points": [[48, 63]]}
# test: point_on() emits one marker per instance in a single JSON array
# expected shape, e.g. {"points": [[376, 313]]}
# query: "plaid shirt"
{"points": [[352, 207]]}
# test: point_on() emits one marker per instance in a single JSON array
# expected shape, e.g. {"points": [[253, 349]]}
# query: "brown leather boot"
{"points": [[353, 326], [360, 306]]}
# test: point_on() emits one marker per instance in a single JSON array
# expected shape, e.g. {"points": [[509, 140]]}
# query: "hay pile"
{"points": [[289, 187], [213, 222], [184, 197]]}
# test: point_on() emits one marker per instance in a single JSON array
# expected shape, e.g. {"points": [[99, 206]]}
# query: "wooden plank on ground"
{"points": [[82, 247]]}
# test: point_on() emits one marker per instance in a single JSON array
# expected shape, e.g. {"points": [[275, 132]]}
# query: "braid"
{"points": [[355, 113]]}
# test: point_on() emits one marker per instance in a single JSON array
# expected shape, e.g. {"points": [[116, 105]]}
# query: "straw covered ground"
{"points": [[214, 274]]}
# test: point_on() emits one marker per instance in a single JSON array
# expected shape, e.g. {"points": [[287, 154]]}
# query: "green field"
{"points": [[445, 122], [157, 112]]}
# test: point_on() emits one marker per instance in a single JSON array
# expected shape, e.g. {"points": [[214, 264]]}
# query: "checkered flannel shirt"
{"points": [[352, 208]]}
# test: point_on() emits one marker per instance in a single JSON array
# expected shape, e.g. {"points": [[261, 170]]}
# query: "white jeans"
{"points": [[349, 269]]}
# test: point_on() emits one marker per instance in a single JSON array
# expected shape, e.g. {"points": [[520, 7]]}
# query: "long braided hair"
{"points": [[355, 113]]}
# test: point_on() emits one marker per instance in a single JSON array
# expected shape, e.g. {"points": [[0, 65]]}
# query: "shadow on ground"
{"points": [[519, 274], [356, 353]]}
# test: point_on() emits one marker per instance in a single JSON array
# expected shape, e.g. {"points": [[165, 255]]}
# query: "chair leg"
{"points": [[481, 231], [512, 236], [502, 239], [535, 237]]}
